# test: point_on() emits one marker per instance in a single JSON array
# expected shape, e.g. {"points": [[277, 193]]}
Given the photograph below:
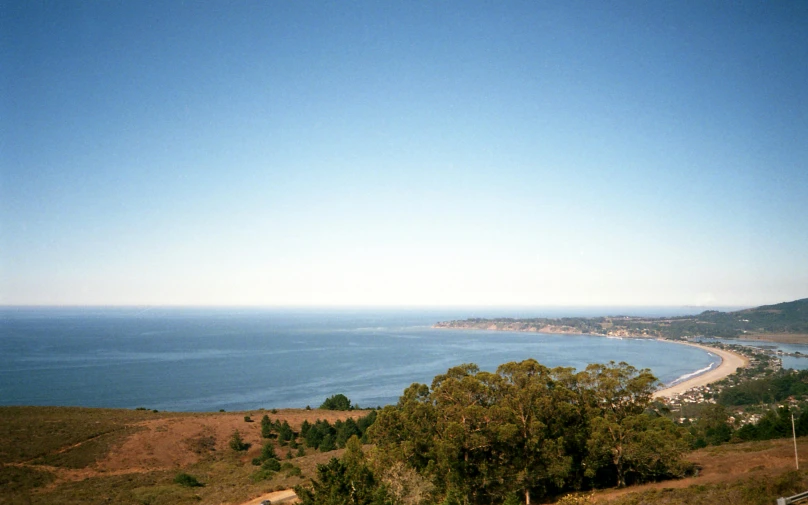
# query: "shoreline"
{"points": [[730, 362]]}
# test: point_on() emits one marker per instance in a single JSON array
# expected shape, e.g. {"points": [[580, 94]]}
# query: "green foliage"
{"points": [[344, 482], [327, 443], [774, 388], [712, 427], [236, 442], [324, 436], [529, 431], [337, 402], [774, 424], [271, 464], [183, 479], [285, 433], [23, 479], [262, 474], [268, 451], [247, 419], [266, 427]]}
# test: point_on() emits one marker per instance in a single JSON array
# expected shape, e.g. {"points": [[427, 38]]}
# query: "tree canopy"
{"points": [[528, 431]]}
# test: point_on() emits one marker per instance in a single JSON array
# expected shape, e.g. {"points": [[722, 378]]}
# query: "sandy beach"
{"points": [[730, 362]]}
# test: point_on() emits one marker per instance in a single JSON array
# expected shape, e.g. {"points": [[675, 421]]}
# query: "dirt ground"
{"points": [[728, 463], [178, 442]]}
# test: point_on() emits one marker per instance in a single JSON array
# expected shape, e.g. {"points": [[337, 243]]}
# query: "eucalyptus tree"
{"points": [[469, 424], [537, 408], [621, 435]]}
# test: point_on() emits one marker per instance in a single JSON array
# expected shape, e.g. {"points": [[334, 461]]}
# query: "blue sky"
{"points": [[403, 153]]}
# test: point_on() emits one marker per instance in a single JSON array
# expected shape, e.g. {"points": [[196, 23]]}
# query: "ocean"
{"points": [[206, 359]]}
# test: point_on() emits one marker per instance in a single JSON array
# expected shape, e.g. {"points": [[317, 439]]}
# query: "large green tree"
{"points": [[536, 408], [527, 430], [622, 435]]}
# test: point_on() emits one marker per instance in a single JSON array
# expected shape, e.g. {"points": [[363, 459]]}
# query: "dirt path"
{"points": [[285, 496]]}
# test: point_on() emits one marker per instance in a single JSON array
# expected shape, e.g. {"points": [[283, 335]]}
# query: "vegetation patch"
{"points": [[30, 432], [14, 479], [751, 491], [86, 453]]}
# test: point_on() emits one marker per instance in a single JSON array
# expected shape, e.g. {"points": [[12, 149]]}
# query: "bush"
{"points": [[237, 444], [183, 479], [271, 464], [247, 419], [262, 475]]}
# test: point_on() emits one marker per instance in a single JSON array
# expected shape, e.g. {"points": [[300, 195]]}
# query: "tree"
{"points": [[337, 402], [536, 408], [266, 427], [617, 394], [327, 443], [712, 426], [468, 424], [285, 433], [345, 482]]}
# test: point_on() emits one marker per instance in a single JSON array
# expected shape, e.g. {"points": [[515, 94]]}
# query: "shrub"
{"points": [[237, 444], [271, 464], [262, 475], [183, 479], [247, 419]]}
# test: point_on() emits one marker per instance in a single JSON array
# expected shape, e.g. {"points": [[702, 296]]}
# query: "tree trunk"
{"points": [[621, 477], [527, 496]]}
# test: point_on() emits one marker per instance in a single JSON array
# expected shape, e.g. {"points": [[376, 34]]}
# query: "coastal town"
{"points": [[759, 364]]}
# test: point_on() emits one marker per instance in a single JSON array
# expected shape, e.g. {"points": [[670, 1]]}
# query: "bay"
{"points": [[206, 359]]}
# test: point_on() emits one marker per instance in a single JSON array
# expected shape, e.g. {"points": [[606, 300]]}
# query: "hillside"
{"points": [[88, 456], [786, 321], [71, 455]]}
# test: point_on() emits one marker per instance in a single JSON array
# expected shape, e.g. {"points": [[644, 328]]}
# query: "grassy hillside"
{"points": [[71, 455], [87, 456]]}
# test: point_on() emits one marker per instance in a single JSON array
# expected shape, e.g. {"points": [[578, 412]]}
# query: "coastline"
{"points": [[730, 362]]}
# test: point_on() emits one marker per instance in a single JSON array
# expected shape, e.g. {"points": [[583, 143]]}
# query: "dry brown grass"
{"points": [[76, 455]]}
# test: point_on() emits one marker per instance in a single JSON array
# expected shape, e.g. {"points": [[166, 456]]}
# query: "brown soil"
{"points": [[728, 463], [175, 442]]}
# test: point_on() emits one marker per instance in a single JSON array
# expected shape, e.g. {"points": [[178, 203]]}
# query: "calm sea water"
{"points": [[194, 359]]}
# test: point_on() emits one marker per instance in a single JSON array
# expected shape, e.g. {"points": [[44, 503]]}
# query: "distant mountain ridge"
{"points": [[789, 318], [785, 317]]}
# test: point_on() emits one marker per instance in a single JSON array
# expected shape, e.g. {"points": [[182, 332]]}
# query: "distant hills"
{"points": [[788, 318]]}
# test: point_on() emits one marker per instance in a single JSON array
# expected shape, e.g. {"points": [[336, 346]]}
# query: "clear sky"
{"points": [[403, 153]]}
